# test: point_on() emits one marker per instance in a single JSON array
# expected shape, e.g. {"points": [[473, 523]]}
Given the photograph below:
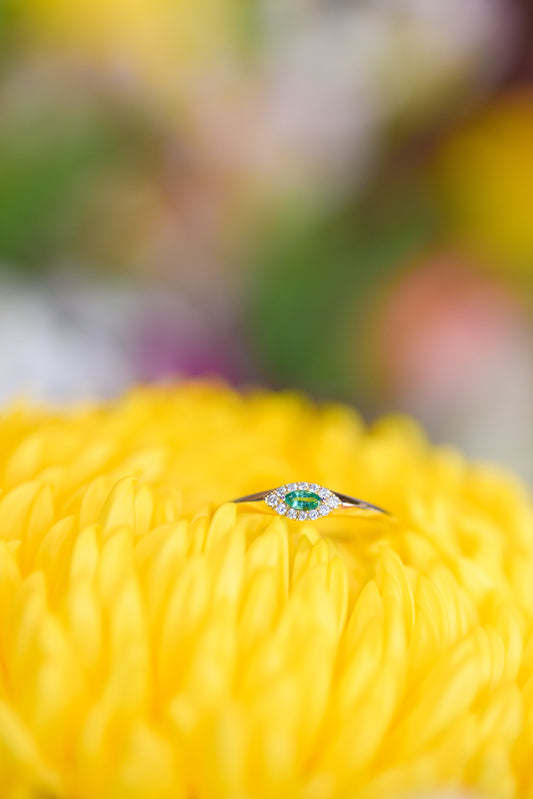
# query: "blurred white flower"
{"points": [[85, 339], [336, 74]]}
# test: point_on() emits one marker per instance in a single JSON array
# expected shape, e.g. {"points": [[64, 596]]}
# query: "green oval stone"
{"points": [[302, 500]]}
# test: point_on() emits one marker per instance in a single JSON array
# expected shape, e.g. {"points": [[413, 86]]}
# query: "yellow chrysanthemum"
{"points": [[156, 643]]}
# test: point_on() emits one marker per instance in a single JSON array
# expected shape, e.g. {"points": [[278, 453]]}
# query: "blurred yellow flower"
{"points": [[484, 178], [155, 644], [156, 40]]}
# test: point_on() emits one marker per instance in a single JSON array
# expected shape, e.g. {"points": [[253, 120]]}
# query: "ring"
{"points": [[304, 501]]}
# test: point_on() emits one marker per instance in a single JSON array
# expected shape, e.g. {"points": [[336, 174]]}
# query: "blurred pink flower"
{"points": [[454, 348], [442, 324]]}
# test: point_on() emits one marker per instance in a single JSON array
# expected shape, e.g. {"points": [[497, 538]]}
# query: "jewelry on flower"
{"points": [[305, 501]]}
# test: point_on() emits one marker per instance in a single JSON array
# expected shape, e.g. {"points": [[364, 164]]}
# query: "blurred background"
{"points": [[332, 195]]}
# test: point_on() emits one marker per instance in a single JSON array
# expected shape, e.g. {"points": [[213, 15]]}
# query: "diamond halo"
{"points": [[290, 500]]}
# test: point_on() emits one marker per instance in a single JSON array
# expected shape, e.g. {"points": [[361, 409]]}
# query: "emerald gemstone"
{"points": [[302, 500]]}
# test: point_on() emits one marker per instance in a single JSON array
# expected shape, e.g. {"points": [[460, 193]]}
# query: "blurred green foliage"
{"points": [[316, 285], [51, 154], [40, 176], [8, 28]]}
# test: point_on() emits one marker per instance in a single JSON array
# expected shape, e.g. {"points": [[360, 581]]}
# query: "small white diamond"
{"points": [[303, 486], [332, 502], [302, 515], [292, 487], [282, 509], [313, 514], [323, 493], [314, 487], [292, 514], [270, 500], [324, 510]]}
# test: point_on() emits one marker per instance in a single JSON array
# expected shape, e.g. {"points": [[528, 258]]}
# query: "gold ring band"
{"points": [[303, 501]]}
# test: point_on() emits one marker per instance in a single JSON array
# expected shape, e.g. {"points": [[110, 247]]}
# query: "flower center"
{"points": [[302, 500]]}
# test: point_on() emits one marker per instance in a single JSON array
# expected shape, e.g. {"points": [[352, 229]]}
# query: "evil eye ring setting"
{"points": [[308, 501]]}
